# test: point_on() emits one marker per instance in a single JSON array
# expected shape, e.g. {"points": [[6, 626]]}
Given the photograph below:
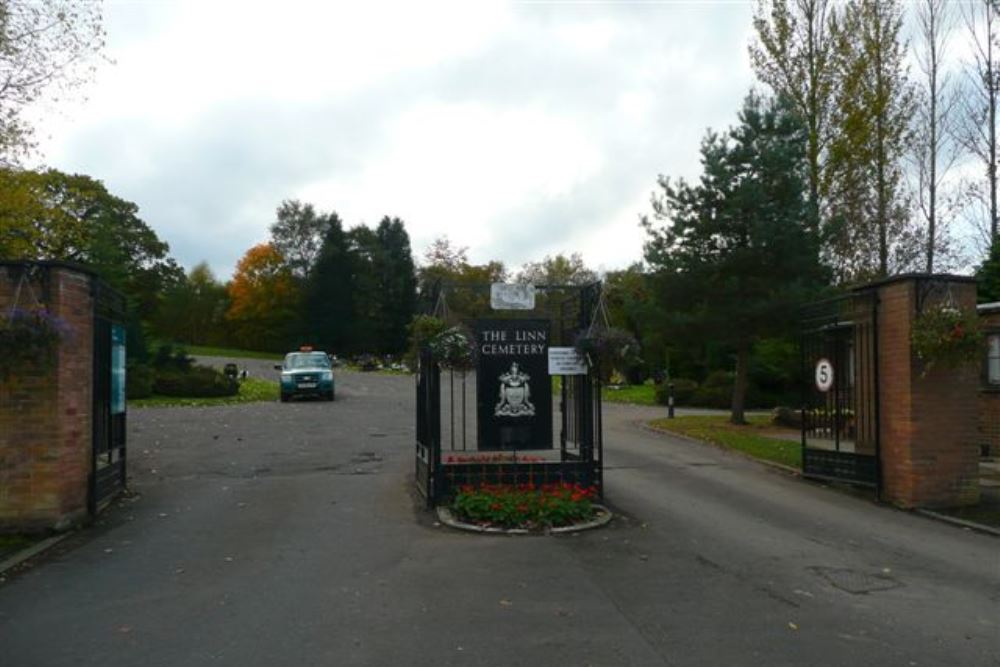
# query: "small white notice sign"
{"points": [[505, 296], [824, 375], [566, 361]]}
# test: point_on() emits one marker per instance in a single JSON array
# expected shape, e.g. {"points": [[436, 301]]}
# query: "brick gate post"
{"points": [[927, 419], [45, 413]]}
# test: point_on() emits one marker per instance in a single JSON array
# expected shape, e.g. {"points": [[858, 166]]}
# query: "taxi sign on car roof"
{"points": [[305, 348]]}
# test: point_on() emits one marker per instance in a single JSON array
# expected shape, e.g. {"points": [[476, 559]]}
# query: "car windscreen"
{"points": [[310, 360]]}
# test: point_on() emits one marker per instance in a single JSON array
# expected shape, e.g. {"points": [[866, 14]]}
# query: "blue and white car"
{"points": [[306, 373]]}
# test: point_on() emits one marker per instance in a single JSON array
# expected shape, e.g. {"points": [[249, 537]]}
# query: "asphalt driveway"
{"points": [[274, 534]]}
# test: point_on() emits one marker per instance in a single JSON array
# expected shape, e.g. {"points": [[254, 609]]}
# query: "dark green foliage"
{"points": [[736, 254], [167, 357], [139, 381], [69, 217], [684, 390], [196, 382], [361, 293], [397, 286], [422, 329], [716, 391], [524, 506], [329, 295], [193, 309], [775, 373], [988, 276]]}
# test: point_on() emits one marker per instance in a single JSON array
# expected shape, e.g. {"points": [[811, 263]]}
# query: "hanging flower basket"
{"points": [[29, 339], [608, 345], [453, 348], [946, 336]]}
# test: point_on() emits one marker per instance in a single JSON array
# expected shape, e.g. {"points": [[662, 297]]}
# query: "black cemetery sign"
{"points": [[514, 392]]}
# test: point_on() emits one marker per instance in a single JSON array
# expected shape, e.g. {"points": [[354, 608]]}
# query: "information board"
{"points": [[566, 361], [117, 369]]}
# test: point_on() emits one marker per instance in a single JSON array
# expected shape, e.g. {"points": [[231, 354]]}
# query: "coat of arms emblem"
{"points": [[515, 394]]}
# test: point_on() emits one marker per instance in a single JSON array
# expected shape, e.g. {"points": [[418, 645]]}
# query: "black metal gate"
{"points": [[107, 474], [840, 390]]}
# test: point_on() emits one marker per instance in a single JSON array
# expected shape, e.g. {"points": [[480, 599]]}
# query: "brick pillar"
{"points": [[45, 413], [927, 419]]}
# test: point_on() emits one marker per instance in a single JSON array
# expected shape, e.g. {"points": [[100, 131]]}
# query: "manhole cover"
{"points": [[854, 582]]}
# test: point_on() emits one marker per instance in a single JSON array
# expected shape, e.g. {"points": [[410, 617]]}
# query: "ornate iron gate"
{"points": [[107, 474], [840, 390]]}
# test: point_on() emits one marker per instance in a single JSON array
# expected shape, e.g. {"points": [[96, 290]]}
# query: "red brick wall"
{"points": [[928, 417], [989, 401], [45, 414]]}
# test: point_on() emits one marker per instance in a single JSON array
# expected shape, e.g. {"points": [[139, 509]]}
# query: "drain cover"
{"points": [[854, 582]]}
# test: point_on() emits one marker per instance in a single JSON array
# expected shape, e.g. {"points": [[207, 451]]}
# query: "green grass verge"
{"points": [[12, 543], [252, 390], [204, 351], [639, 394], [749, 439]]}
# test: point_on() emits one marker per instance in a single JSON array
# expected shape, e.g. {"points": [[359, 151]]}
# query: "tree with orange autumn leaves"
{"points": [[264, 299]]}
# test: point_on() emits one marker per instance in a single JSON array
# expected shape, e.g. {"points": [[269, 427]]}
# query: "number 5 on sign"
{"points": [[824, 375]]}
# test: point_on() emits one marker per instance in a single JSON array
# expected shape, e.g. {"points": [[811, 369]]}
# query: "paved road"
{"points": [[274, 534]]}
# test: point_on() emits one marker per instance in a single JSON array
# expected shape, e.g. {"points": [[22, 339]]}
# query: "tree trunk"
{"points": [[740, 385]]}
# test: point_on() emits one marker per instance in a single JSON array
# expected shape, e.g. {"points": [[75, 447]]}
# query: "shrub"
{"points": [[139, 381], [525, 505], [168, 358], [716, 391], [197, 382], [684, 391], [785, 416]]}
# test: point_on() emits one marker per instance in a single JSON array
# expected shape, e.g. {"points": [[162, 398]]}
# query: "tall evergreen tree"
{"points": [[735, 253], [398, 284], [329, 294]]}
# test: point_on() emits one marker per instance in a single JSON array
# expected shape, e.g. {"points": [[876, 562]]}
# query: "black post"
{"points": [[670, 400]]}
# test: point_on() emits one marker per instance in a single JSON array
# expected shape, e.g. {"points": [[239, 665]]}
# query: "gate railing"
{"points": [[840, 425], [108, 456]]}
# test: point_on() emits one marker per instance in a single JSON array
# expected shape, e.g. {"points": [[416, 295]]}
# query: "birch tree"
{"points": [[934, 150], [977, 130], [47, 48]]}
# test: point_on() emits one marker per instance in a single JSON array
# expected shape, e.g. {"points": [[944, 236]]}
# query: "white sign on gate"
{"points": [[824, 375], [505, 296], [566, 361]]}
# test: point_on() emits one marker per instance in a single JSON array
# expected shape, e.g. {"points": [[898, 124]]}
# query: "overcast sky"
{"points": [[518, 130]]}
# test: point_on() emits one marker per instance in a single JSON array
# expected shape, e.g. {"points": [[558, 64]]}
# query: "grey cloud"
{"points": [[210, 188]]}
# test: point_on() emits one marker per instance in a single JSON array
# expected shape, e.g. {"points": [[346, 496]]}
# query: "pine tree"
{"points": [[398, 284], [329, 294], [736, 252]]}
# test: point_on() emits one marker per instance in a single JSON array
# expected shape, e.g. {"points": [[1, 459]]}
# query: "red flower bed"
{"points": [[525, 505]]}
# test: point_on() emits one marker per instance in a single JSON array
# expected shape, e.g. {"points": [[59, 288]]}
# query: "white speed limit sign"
{"points": [[824, 375]]}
